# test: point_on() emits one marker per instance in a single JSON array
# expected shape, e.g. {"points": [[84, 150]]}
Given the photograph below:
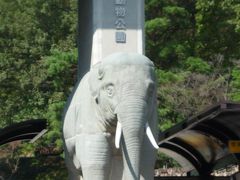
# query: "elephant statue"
{"points": [[110, 121]]}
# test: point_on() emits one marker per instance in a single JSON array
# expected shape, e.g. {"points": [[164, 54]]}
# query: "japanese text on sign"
{"points": [[120, 2], [120, 24]]}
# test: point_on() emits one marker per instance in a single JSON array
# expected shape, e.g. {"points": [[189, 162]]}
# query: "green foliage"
{"points": [[236, 20], [28, 32], [166, 161], [165, 77], [235, 85], [177, 31], [38, 60], [182, 94], [61, 71], [166, 112], [59, 64], [197, 65], [169, 32], [216, 27], [194, 44]]}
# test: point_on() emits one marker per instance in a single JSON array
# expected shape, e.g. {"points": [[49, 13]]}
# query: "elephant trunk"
{"points": [[133, 122]]}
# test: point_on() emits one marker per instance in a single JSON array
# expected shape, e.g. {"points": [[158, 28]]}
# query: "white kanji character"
{"points": [[120, 2], [120, 24], [120, 11], [120, 37]]}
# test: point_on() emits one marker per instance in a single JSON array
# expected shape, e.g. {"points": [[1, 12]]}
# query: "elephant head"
{"points": [[124, 93]]}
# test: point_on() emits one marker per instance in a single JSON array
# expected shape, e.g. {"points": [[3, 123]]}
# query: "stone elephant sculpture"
{"points": [[110, 122]]}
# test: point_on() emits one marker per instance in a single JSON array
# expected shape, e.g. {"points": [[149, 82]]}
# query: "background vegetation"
{"points": [[193, 43]]}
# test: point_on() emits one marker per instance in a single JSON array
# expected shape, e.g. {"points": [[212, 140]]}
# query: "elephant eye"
{"points": [[110, 90]]}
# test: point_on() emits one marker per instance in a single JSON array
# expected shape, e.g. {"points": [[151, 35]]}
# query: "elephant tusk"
{"points": [[151, 137], [118, 135]]}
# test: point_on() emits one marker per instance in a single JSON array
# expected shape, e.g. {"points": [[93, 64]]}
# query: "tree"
{"points": [[217, 30], [170, 31], [29, 30], [38, 61], [195, 46]]}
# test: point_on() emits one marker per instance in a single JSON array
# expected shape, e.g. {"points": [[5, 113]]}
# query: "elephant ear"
{"points": [[95, 77]]}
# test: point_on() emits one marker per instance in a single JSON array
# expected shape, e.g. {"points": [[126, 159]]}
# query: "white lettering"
{"points": [[120, 37], [120, 2], [120, 23], [120, 11]]}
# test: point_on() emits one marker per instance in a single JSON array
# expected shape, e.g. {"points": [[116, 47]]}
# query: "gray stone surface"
{"points": [[113, 105], [109, 26]]}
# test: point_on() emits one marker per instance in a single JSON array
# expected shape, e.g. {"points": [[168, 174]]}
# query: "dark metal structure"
{"points": [[200, 143], [27, 130]]}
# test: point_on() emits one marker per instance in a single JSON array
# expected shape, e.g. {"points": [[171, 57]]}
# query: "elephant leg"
{"points": [[94, 153], [73, 172], [73, 166], [117, 168], [148, 159]]}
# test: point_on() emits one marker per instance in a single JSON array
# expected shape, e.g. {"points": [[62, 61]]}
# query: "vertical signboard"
{"points": [[109, 26]]}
